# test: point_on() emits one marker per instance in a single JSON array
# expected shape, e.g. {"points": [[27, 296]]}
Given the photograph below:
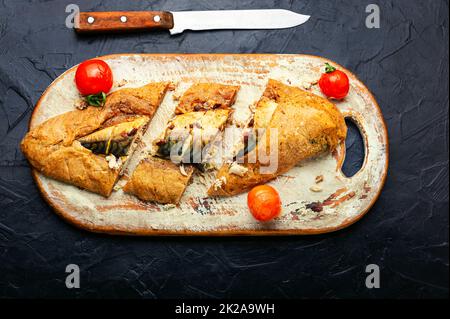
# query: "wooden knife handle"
{"points": [[91, 22]]}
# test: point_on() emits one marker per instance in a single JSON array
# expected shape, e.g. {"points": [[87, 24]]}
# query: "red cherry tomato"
{"points": [[264, 202], [334, 83], [93, 77]]}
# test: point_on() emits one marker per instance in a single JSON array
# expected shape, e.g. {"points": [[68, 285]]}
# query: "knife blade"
{"points": [[177, 22]]}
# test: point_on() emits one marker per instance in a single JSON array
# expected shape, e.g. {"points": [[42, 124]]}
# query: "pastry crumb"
{"points": [[121, 83], [81, 104], [176, 97], [306, 85], [168, 206], [219, 182], [182, 170], [237, 169], [113, 162], [172, 86]]}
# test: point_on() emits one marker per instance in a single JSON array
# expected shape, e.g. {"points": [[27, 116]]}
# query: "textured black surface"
{"points": [[405, 64]]}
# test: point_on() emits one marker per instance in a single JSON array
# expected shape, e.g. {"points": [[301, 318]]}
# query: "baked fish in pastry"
{"points": [[115, 140], [191, 132], [202, 114], [306, 126], [61, 147], [159, 180], [207, 96]]}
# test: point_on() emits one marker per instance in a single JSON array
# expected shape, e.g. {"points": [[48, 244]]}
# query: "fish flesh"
{"points": [[114, 139], [187, 129]]}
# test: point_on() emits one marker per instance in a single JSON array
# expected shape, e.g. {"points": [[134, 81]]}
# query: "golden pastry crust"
{"points": [[307, 125], [52, 147], [207, 96], [143, 100], [158, 180]]}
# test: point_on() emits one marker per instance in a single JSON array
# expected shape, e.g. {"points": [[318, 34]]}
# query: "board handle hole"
{"points": [[354, 149]]}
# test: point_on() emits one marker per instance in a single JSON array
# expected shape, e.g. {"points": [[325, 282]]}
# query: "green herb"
{"points": [[96, 99], [329, 68]]}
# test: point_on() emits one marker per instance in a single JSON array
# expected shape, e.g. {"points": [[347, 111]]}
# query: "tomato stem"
{"points": [[96, 99], [329, 68]]}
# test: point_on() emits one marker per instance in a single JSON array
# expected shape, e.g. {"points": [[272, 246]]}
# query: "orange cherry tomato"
{"points": [[334, 83], [264, 202], [94, 77]]}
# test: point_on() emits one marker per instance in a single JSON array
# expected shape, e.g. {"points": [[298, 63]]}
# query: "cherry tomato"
{"points": [[264, 202], [334, 83], [93, 77]]}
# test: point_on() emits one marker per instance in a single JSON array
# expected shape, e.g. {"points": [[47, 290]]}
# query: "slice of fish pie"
{"points": [[306, 125], [87, 148], [115, 140], [188, 134], [159, 180], [207, 96]]}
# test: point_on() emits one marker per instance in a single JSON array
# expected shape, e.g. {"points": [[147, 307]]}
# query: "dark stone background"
{"points": [[405, 64]]}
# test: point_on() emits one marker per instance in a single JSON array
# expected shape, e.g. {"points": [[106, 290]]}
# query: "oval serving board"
{"points": [[340, 202]]}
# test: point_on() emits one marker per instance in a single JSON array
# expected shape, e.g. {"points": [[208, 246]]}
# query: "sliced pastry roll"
{"points": [[202, 114], [305, 126], [87, 148]]}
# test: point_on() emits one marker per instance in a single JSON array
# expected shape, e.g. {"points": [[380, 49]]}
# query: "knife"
{"points": [[177, 22]]}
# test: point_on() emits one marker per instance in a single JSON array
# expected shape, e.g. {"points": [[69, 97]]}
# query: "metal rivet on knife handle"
{"points": [[123, 19], [157, 18], [90, 20]]}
